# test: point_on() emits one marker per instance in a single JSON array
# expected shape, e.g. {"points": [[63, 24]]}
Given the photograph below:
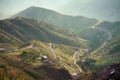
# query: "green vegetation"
{"points": [[108, 55], [95, 37], [26, 60], [21, 31], [34, 48]]}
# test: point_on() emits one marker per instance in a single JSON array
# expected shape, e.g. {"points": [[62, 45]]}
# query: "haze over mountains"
{"points": [[42, 44], [107, 10]]}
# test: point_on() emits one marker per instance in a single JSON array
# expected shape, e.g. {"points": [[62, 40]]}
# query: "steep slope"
{"points": [[107, 55], [20, 30], [75, 23], [107, 10], [106, 35], [99, 34], [95, 37]]}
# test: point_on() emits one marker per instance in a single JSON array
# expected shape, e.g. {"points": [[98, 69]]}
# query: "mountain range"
{"points": [[42, 44], [107, 10]]}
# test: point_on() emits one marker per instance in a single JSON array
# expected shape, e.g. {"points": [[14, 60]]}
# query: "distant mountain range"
{"points": [[107, 10]]}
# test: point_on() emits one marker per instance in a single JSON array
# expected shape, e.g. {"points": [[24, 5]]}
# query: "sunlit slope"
{"points": [[20, 30], [27, 61]]}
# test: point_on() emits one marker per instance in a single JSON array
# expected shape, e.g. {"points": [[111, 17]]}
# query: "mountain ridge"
{"points": [[56, 18]]}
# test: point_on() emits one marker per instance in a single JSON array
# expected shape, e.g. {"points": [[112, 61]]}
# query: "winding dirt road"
{"points": [[94, 26], [75, 59], [52, 47]]}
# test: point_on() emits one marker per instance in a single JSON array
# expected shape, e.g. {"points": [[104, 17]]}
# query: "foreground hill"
{"points": [[39, 62], [21, 30], [74, 23]]}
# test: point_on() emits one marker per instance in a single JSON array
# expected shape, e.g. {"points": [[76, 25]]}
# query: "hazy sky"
{"points": [[10, 7], [101, 9]]}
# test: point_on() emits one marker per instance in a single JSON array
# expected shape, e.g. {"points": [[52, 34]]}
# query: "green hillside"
{"points": [[107, 55], [95, 37], [25, 42], [19, 31]]}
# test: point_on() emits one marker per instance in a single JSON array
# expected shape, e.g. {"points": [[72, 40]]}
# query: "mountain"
{"points": [[107, 55], [64, 50], [108, 52], [74, 23], [81, 26], [19, 31], [35, 48], [107, 10]]}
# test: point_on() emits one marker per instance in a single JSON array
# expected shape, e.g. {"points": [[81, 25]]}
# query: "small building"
{"points": [[43, 58]]}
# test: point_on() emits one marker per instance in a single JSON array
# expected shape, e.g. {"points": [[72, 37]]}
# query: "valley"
{"points": [[41, 44]]}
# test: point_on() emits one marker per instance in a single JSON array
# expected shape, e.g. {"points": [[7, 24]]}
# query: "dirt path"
{"points": [[28, 47], [75, 59], [104, 30], [94, 26], [52, 47]]}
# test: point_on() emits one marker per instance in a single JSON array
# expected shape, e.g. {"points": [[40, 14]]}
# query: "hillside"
{"points": [[11, 68], [74, 23], [107, 55], [31, 63], [112, 28], [99, 34], [35, 48], [95, 37], [19, 31]]}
